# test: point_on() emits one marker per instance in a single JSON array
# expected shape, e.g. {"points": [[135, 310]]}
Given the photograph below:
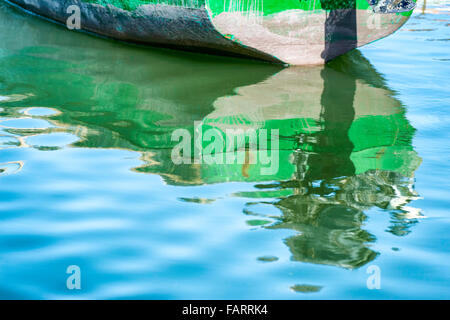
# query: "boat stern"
{"points": [[307, 32]]}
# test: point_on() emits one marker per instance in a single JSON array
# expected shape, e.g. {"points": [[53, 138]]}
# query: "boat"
{"points": [[293, 32], [345, 148]]}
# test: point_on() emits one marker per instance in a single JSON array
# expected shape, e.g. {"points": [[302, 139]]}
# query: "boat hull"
{"points": [[293, 36]]}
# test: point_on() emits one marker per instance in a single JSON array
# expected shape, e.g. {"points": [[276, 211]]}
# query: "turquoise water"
{"points": [[86, 176]]}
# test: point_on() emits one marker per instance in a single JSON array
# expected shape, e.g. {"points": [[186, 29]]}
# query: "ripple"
{"points": [[268, 259], [25, 123], [9, 142], [12, 167], [15, 97], [446, 39], [40, 111], [47, 227], [51, 140], [258, 222], [197, 200], [418, 30], [306, 288]]}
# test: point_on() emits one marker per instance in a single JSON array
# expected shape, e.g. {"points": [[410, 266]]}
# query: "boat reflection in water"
{"points": [[345, 145]]}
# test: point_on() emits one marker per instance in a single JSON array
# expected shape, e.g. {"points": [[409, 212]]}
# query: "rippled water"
{"points": [[86, 176]]}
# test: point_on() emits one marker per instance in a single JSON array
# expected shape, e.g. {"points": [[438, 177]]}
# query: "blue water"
{"points": [[86, 177]]}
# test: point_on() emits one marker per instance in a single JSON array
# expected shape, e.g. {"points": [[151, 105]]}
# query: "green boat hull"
{"points": [[305, 32]]}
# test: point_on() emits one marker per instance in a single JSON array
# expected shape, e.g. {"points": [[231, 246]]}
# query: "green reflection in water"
{"points": [[345, 143]]}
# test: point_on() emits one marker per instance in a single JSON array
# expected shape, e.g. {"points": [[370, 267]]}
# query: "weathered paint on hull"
{"points": [[292, 32]]}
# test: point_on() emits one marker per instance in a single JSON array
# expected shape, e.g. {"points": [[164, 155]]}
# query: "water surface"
{"points": [[87, 178]]}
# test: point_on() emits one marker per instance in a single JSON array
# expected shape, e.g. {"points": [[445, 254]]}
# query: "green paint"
{"points": [[270, 7], [132, 5], [265, 7], [118, 96]]}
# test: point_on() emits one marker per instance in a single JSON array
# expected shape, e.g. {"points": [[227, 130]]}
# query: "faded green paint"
{"points": [[264, 7], [269, 7], [132, 5]]}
